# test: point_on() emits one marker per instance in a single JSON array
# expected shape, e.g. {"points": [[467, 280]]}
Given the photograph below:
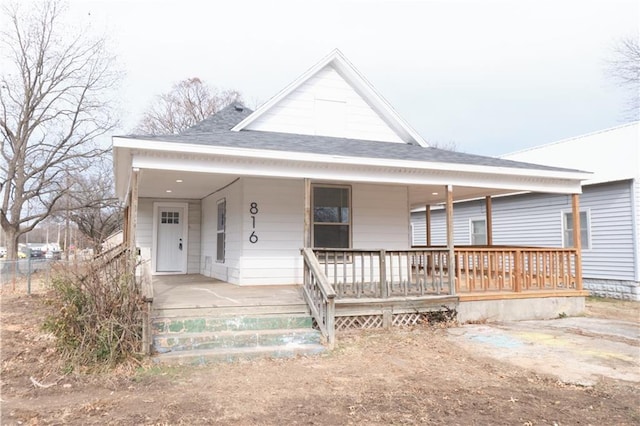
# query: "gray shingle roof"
{"points": [[216, 131], [223, 120]]}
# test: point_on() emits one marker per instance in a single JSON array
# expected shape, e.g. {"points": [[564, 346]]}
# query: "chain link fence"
{"points": [[31, 275]]}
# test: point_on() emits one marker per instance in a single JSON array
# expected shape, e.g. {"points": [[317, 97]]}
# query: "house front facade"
{"points": [[316, 187]]}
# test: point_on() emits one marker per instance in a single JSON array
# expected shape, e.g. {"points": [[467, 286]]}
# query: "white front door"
{"points": [[170, 243]]}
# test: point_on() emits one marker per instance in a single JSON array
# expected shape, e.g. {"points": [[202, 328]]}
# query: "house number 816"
{"points": [[253, 209]]}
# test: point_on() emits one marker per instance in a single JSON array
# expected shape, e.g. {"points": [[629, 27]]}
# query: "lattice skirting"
{"points": [[365, 322]]}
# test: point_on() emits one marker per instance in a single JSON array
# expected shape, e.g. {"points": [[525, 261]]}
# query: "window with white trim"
{"points": [[478, 230], [331, 216], [567, 230], [220, 230]]}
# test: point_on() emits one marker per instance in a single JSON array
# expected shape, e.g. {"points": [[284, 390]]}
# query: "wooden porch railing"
{"points": [[515, 269], [386, 273], [319, 295], [425, 271]]}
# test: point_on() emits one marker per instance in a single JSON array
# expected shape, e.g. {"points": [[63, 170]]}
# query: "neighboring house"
{"points": [[325, 164], [609, 210]]}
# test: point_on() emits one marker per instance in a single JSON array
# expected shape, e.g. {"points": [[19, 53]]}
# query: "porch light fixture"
{"points": [[434, 193], [168, 190], [178, 180]]}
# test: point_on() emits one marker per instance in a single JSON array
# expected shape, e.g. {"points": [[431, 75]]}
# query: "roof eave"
{"points": [[168, 147]]}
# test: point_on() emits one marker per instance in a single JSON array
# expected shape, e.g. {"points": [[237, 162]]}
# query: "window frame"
{"points": [[584, 225], [472, 234], [221, 230], [349, 224]]}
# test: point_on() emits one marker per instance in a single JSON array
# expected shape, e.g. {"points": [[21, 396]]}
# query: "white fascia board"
{"points": [[382, 173], [182, 148], [379, 103]]}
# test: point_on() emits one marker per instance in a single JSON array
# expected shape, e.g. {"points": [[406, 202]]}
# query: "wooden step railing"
{"points": [[319, 295]]}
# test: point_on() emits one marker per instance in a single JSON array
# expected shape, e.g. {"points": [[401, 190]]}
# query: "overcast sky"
{"points": [[491, 76]]}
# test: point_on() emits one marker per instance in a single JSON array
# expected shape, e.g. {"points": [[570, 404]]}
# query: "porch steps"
{"points": [[204, 338], [230, 311]]}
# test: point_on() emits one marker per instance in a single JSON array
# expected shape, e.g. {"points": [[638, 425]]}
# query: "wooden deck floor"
{"points": [[197, 291]]}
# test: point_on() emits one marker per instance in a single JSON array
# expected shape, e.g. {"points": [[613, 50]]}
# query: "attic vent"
{"points": [[238, 108]]}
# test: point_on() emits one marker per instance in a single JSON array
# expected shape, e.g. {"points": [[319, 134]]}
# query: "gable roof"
{"points": [[352, 76]]}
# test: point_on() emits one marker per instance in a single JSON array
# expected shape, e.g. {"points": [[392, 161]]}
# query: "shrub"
{"points": [[97, 315]]}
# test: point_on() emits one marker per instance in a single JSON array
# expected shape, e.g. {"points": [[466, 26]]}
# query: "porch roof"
{"points": [[217, 131], [214, 148]]}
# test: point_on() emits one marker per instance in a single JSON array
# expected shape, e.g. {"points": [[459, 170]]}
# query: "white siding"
{"points": [[193, 256], [326, 96], [536, 220], [229, 270], [380, 217], [144, 225], [380, 220], [279, 226], [144, 230]]}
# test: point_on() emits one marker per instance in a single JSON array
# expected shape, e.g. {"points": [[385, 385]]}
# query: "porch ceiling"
{"points": [[421, 195], [179, 184], [155, 183]]}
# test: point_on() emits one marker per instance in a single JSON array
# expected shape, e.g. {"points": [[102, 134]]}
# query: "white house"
{"points": [[609, 210], [328, 166]]}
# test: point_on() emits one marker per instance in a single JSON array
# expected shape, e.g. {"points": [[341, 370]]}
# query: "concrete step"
{"points": [[222, 311], [229, 323], [190, 341], [220, 355]]}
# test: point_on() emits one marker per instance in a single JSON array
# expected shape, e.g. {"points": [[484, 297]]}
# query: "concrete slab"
{"points": [[575, 350], [198, 291]]}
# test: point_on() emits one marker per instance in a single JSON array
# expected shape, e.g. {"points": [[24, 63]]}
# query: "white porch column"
{"points": [[307, 213], [133, 211], [452, 261]]}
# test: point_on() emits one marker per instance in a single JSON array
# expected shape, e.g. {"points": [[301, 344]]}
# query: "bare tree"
{"points": [[624, 67], [94, 208], [447, 146], [53, 105], [187, 103]]}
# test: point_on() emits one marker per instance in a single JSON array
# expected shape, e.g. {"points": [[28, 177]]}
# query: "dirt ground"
{"points": [[406, 376]]}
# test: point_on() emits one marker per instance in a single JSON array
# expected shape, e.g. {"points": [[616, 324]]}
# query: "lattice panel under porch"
{"points": [[408, 319], [362, 322]]}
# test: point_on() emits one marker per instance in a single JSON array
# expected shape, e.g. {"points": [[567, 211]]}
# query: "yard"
{"points": [[407, 376]]}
